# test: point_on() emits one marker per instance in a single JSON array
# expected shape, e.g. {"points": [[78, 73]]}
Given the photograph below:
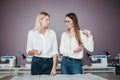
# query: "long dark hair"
{"points": [[76, 26]]}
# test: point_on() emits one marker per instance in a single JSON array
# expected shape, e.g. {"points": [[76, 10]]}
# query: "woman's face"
{"points": [[45, 22], [68, 22]]}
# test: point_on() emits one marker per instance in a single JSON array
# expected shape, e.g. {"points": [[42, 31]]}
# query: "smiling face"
{"points": [[68, 22], [45, 22]]}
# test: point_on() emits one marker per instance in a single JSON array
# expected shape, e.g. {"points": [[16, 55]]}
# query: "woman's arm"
{"points": [[55, 55], [87, 39], [29, 49], [53, 71]]}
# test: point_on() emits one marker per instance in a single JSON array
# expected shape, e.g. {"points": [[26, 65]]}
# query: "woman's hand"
{"points": [[53, 71], [78, 49], [37, 52], [87, 32]]}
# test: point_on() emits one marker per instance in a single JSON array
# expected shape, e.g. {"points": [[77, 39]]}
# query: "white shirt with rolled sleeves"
{"points": [[68, 45], [46, 43]]}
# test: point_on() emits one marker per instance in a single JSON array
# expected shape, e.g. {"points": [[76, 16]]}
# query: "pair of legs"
{"points": [[41, 65], [71, 66]]}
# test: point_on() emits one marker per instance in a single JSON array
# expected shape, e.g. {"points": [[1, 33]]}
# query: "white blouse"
{"points": [[46, 43], [68, 45]]}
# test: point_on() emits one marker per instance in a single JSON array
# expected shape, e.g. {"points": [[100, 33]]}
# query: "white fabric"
{"points": [[46, 43], [59, 77], [68, 45]]}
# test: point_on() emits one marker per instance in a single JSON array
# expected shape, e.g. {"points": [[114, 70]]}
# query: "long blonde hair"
{"points": [[76, 26], [40, 16]]}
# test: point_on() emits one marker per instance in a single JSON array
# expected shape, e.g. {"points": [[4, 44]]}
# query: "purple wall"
{"points": [[17, 17]]}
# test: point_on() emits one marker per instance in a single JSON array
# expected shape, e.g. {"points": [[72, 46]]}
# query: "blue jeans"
{"points": [[71, 66], [41, 65]]}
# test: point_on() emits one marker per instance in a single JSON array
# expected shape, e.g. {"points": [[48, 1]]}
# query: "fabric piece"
{"points": [[87, 76]]}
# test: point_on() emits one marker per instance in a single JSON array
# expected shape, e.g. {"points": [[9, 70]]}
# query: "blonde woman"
{"points": [[42, 45], [72, 45]]}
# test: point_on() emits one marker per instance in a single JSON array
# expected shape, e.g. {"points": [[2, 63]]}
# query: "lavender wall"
{"points": [[17, 17]]}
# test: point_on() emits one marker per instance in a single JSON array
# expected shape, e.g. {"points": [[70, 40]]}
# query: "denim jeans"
{"points": [[41, 65], [71, 66]]}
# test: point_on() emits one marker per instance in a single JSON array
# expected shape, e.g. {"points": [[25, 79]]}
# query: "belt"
{"points": [[42, 58], [68, 58]]}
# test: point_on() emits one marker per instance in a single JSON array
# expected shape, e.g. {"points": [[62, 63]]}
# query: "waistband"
{"points": [[69, 58], [41, 57]]}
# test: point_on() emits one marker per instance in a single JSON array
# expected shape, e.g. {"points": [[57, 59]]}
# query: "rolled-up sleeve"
{"points": [[55, 44], [29, 42], [88, 43]]}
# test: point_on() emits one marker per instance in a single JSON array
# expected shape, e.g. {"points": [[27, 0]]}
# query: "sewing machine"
{"points": [[29, 59], [103, 60], [11, 63], [118, 57]]}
